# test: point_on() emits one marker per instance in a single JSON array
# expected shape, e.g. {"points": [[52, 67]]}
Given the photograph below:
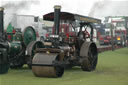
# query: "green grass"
{"points": [[112, 69]]}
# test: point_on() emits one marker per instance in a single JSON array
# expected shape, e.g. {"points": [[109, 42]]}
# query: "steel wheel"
{"points": [[17, 62], [4, 68], [29, 35], [4, 63], [31, 50], [89, 63], [45, 70]]}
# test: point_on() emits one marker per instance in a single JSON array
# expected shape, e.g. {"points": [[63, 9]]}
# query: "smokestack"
{"points": [[57, 9], [1, 21]]}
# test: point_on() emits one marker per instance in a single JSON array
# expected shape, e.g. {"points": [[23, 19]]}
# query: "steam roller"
{"points": [[18, 50], [22, 46], [62, 49]]}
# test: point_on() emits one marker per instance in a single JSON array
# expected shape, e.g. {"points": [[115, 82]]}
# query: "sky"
{"points": [[94, 8], [41, 7]]}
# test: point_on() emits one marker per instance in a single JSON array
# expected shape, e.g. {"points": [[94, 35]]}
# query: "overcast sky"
{"points": [[41, 7]]}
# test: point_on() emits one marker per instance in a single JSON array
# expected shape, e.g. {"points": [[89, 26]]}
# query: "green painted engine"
{"points": [[21, 47], [16, 47]]}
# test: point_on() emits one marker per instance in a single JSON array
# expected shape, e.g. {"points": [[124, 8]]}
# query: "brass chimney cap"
{"points": [[1, 8], [57, 7]]}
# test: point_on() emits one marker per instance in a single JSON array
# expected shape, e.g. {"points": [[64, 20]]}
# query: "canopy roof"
{"points": [[71, 17]]}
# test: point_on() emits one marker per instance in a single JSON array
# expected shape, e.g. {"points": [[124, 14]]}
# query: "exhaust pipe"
{"points": [[1, 22], [57, 9]]}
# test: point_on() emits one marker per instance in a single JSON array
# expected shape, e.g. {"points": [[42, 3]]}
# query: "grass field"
{"points": [[112, 69]]}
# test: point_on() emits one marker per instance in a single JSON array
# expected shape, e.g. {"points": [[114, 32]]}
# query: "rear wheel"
{"points": [[90, 61], [31, 51]]}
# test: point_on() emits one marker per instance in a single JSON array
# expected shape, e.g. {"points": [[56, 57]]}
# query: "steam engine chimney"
{"points": [[1, 21], [57, 9]]}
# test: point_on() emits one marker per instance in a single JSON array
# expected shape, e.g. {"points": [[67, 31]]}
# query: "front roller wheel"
{"points": [[4, 63], [90, 61], [43, 65], [4, 68], [47, 71]]}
